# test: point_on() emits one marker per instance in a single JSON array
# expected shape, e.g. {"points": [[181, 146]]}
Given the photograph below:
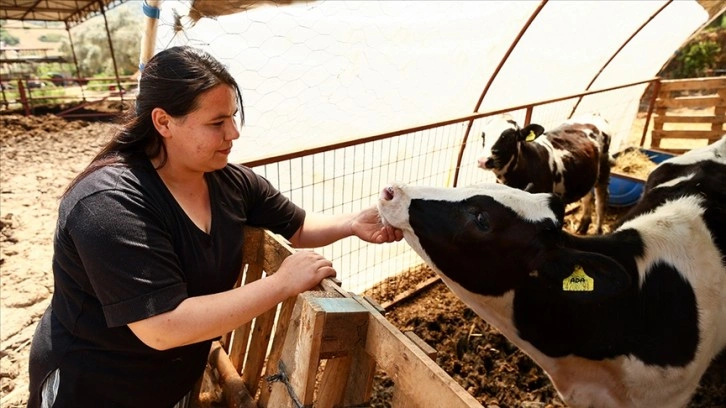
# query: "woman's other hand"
{"points": [[303, 270], [369, 227]]}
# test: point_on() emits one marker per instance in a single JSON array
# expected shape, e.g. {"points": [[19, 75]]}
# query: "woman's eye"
{"points": [[482, 220]]}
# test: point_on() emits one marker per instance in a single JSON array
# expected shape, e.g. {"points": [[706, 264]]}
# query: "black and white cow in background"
{"points": [[569, 161], [627, 319]]}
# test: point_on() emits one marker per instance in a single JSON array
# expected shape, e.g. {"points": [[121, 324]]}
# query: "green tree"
{"points": [[698, 59], [704, 55], [8, 39], [90, 41], [51, 38]]}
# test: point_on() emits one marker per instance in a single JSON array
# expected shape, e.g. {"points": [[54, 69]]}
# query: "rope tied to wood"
{"points": [[282, 377]]}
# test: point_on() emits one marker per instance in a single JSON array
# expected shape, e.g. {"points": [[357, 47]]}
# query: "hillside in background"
{"points": [[703, 55], [90, 42]]}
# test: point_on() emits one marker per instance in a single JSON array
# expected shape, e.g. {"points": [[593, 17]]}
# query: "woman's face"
{"points": [[201, 140]]}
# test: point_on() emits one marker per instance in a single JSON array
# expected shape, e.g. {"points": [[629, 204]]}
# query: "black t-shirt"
{"points": [[125, 251]]}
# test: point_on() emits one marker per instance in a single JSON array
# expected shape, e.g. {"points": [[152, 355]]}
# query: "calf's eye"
{"points": [[482, 221]]}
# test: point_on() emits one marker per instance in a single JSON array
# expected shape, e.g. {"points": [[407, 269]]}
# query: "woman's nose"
{"points": [[232, 132]]}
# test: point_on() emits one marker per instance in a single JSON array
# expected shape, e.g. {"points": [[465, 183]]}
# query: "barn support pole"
{"points": [[152, 11], [113, 53], [528, 115], [75, 62], [23, 98]]}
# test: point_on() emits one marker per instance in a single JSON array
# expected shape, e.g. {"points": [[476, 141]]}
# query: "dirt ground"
{"points": [[40, 155]]}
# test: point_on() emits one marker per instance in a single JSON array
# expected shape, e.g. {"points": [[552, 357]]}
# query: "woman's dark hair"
{"points": [[171, 80]]}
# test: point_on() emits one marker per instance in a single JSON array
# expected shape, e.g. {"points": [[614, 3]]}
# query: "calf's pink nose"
{"points": [[482, 162], [387, 194]]}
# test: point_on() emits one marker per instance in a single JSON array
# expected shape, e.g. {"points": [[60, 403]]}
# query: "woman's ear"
{"points": [[161, 121]]}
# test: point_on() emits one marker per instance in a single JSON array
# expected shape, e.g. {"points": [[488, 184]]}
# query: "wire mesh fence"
{"points": [[349, 176]]}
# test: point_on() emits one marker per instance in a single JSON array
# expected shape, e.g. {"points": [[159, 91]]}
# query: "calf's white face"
{"points": [[489, 239]]}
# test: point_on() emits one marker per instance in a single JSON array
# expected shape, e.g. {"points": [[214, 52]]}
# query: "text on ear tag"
{"points": [[578, 281]]}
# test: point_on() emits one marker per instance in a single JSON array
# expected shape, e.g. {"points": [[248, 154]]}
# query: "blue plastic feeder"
{"points": [[626, 191]]}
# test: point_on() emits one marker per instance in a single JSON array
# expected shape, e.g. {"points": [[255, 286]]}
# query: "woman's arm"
{"points": [[206, 317], [319, 229]]}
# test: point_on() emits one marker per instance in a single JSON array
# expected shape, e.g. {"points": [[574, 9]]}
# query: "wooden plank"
{"points": [[257, 353], [627, 176], [332, 285], [346, 324], [276, 249], [240, 336], [687, 134], [375, 304], [333, 382], [300, 356], [347, 381], [227, 338], [407, 293], [689, 119], [691, 102], [400, 400], [676, 151], [253, 242], [283, 323], [693, 84], [418, 341], [359, 387], [251, 252], [719, 114], [421, 380]]}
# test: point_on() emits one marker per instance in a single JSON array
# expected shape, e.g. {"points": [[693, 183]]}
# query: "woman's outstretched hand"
{"points": [[369, 227]]}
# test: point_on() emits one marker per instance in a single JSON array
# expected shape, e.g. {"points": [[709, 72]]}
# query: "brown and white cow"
{"points": [[571, 160], [632, 318]]}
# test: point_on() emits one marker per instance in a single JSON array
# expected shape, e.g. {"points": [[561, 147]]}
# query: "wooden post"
{"points": [[298, 364], [23, 97], [651, 105], [320, 328], [347, 381], [235, 393]]}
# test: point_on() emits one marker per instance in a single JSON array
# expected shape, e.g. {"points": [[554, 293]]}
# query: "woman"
{"points": [[148, 246]]}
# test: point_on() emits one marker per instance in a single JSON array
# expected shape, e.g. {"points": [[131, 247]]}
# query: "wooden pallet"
{"points": [[705, 94]]}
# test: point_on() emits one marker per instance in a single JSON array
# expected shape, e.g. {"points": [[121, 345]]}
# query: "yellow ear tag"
{"points": [[578, 281], [530, 137]]}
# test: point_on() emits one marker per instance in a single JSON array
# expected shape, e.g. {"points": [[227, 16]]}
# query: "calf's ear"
{"points": [[584, 277], [530, 132]]}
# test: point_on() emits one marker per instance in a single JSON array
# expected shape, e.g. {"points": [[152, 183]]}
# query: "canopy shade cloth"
{"points": [[71, 12], [318, 72]]}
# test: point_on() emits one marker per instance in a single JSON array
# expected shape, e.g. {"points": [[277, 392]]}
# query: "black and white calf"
{"points": [[569, 161], [627, 319]]}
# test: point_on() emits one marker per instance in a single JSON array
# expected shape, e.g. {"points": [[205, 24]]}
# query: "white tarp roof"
{"points": [[314, 73]]}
